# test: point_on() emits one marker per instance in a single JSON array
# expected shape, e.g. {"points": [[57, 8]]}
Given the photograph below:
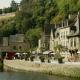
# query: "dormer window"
{"points": [[73, 29]]}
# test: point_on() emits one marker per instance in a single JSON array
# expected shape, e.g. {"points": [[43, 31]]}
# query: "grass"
{"points": [[6, 16]]}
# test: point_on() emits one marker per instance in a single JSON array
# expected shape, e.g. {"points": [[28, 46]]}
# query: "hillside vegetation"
{"points": [[7, 16], [34, 14]]}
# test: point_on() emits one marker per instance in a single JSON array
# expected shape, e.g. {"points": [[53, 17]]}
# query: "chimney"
{"points": [[69, 16], [78, 12]]}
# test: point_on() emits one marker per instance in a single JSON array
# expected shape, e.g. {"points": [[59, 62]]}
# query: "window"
{"points": [[61, 35], [74, 42], [66, 33], [71, 42], [14, 47]]}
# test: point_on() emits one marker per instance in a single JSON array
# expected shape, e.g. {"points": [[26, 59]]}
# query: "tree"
{"points": [[68, 7], [33, 35], [7, 10], [14, 6], [33, 15], [59, 48], [8, 29], [24, 20], [51, 9], [0, 11], [78, 5]]}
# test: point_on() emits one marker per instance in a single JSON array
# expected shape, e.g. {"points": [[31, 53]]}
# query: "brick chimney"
{"points": [[69, 16]]}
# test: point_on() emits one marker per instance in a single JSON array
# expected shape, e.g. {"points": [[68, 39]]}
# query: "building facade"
{"points": [[15, 43], [74, 37], [67, 35]]}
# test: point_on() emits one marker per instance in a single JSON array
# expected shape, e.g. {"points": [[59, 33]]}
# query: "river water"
{"points": [[31, 76]]}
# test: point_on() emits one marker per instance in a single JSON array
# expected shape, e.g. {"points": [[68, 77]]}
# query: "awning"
{"points": [[47, 52], [24, 53], [17, 53], [78, 52], [53, 53]]}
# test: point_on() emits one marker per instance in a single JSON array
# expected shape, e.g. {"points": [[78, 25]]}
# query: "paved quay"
{"points": [[66, 69]]}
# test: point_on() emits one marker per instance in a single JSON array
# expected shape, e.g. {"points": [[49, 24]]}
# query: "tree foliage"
{"points": [[0, 11], [13, 8], [33, 35], [33, 15]]}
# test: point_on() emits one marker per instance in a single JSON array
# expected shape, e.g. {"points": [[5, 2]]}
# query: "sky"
{"points": [[6, 3]]}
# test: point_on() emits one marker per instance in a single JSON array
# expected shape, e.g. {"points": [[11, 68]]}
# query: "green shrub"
{"points": [[59, 57]]}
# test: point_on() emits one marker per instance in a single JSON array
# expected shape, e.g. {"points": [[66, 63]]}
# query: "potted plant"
{"points": [[42, 58], [60, 60], [32, 58], [59, 57]]}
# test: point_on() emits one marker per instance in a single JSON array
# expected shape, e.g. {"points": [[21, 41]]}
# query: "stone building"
{"points": [[74, 36], [18, 43], [4, 44], [44, 41], [67, 34], [15, 43], [60, 36]]}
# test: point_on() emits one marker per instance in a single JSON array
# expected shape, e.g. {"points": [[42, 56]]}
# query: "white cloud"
{"points": [[6, 3]]}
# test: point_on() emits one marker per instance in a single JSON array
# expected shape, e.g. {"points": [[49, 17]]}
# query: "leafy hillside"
{"points": [[38, 12], [7, 16], [33, 14], [5, 19]]}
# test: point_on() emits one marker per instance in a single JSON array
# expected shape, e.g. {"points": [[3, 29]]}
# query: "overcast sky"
{"points": [[6, 3]]}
